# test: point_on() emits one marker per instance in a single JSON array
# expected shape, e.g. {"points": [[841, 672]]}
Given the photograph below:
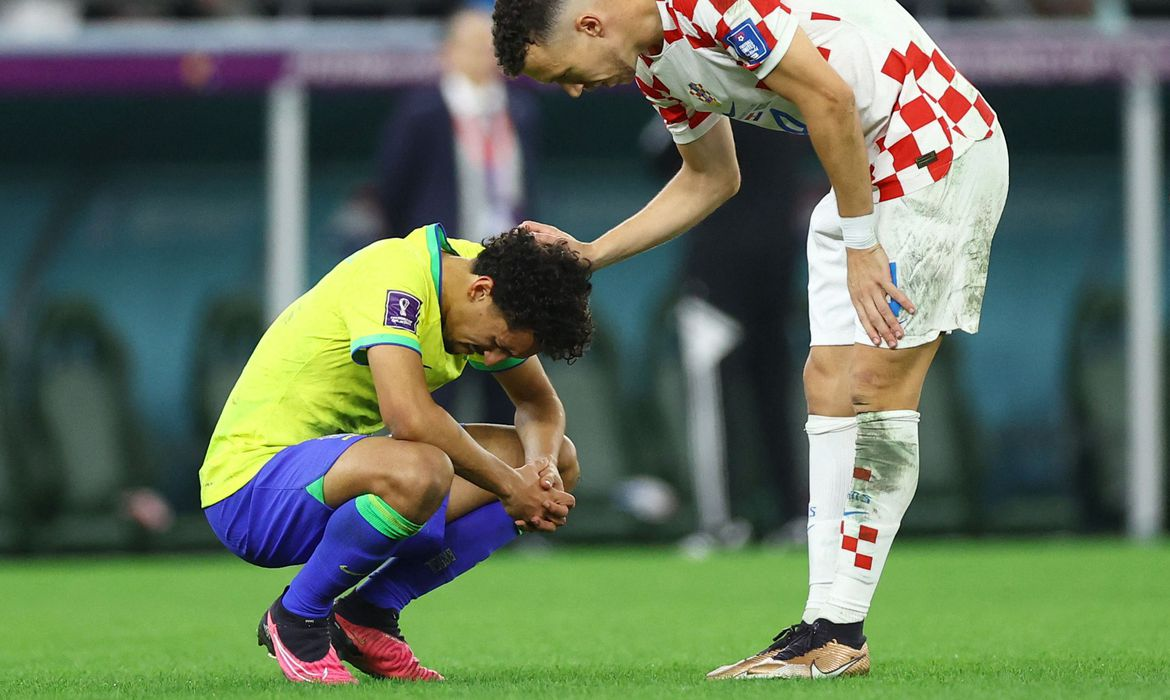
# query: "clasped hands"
{"points": [[541, 503]]}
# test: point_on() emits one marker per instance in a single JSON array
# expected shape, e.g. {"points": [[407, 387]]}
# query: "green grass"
{"points": [[952, 619]]}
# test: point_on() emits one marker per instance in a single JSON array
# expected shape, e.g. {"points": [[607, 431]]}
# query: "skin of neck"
{"points": [[645, 26], [457, 277]]}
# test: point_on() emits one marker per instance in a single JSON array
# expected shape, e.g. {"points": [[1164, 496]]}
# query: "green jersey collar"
{"points": [[437, 244]]}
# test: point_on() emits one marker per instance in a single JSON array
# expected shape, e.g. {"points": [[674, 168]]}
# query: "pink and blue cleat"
{"points": [[301, 647], [369, 638]]}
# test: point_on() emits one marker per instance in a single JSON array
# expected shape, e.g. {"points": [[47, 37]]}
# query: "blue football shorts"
{"points": [[275, 519]]}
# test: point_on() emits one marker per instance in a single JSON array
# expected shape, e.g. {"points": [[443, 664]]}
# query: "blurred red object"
{"points": [[148, 508]]}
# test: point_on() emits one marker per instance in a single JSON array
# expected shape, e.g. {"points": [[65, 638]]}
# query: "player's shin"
{"points": [[429, 540], [469, 540], [359, 537], [830, 467], [885, 477]]}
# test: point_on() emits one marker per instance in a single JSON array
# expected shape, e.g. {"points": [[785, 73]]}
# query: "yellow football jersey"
{"points": [[308, 377]]}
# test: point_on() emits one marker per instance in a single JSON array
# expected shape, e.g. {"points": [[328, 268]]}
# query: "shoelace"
{"points": [[785, 636], [801, 642]]}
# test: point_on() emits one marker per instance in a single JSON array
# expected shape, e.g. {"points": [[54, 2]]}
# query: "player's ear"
{"points": [[481, 288], [590, 25]]}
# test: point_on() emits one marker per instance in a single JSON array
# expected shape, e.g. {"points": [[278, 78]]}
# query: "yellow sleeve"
{"points": [[383, 304]]}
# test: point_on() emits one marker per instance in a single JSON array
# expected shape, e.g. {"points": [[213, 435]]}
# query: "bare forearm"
{"points": [[540, 425], [835, 131], [434, 426], [686, 200]]}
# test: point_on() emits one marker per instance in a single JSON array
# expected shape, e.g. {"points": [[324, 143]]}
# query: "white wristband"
{"points": [[858, 231]]}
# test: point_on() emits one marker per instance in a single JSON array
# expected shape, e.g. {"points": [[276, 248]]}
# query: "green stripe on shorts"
{"points": [[317, 490]]}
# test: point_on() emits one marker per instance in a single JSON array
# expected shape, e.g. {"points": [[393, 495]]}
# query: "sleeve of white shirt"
{"points": [[684, 124], [756, 33]]}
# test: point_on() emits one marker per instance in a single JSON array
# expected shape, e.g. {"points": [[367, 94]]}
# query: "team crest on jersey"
{"points": [[748, 42], [402, 310], [704, 94]]}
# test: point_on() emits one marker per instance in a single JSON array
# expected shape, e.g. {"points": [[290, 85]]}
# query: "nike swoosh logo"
{"points": [[345, 570], [818, 673]]}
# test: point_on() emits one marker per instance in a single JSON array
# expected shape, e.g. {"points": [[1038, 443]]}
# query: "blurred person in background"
{"points": [[764, 484], [919, 171], [462, 152], [40, 19], [295, 474]]}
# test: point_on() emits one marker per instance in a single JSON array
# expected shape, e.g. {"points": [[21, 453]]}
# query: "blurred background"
{"points": [[173, 172]]}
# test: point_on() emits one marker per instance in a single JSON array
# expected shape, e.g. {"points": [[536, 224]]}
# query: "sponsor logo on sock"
{"points": [[441, 561], [818, 673]]}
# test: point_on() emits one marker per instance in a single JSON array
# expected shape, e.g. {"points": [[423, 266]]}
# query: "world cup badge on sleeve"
{"points": [[747, 41], [402, 310]]}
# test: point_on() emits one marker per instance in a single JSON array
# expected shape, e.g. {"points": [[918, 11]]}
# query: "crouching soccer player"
{"points": [[293, 474]]}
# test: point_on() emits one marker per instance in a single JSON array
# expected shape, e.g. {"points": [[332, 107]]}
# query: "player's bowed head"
{"points": [[578, 44], [539, 288]]}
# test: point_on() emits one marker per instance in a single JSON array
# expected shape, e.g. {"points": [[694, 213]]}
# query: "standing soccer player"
{"points": [[897, 251], [293, 474]]}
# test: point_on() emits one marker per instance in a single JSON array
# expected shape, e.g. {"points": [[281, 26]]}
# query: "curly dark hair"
{"points": [[541, 288], [517, 24]]}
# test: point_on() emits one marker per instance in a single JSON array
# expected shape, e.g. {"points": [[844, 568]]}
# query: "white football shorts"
{"points": [[939, 238]]}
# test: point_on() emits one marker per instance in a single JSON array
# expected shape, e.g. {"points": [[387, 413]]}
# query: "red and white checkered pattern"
{"points": [[859, 539], [918, 113]]}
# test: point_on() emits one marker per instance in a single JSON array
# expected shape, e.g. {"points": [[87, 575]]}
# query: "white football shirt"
{"points": [[917, 112]]}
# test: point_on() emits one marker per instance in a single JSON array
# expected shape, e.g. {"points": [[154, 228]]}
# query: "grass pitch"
{"points": [[952, 619]]}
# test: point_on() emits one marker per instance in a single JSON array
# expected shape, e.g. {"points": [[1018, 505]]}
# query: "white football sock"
{"points": [[884, 480], [830, 468]]}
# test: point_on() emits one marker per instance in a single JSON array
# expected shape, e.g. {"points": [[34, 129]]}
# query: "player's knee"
{"points": [[568, 465], [419, 473], [813, 376], [431, 472], [823, 383], [867, 389]]}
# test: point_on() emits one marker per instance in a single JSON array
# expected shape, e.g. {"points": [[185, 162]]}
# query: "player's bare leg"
{"points": [[832, 430], [886, 387], [366, 631], [504, 442]]}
